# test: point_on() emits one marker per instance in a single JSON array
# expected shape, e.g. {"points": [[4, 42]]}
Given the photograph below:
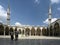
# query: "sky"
{"points": [[29, 12]]}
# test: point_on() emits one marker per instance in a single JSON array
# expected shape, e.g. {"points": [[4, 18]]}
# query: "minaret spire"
{"points": [[50, 14], [50, 17], [8, 14]]}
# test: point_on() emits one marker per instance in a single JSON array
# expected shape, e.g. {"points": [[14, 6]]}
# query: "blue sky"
{"points": [[30, 12]]}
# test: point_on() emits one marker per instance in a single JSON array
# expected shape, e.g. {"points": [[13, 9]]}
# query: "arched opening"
{"points": [[44, 31], [33, 31], [22, 32], [11, 30], [27, 31], [19, 31], [56, 29], [1, 29], [6, 30], [38, 31], [51, 31]]}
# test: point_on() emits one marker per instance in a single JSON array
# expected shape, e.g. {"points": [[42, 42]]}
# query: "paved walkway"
{"points": [[8, 41], [30, 40], [32, 37]]}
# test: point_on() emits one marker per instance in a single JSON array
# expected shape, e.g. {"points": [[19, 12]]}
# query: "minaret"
{"points": [[8, 14], [50, 17], [50, 14]]}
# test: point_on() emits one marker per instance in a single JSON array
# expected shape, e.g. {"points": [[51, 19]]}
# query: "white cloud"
{"points": [[18, 24], [46, 21], [0, 21], [55, 1], [21, 25], [58, 9], [37, 1], [3, 12]]}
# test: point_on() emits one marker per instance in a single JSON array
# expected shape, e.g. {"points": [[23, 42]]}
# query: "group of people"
{"points": [[14, 33]]}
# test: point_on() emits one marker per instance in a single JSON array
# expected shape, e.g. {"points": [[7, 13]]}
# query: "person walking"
{"points": [[12, 34], [16, 34]]}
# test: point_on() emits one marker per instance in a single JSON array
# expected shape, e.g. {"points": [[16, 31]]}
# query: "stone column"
{"points": [[4, 30], [30, 32], [41, 32]]}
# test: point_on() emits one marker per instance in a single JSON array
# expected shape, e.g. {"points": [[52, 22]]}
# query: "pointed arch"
{"points": [[19, 31], [56, 29], [7, 30], [33, 31], [44, 31], [51, 31], [38, 31], [27, 31], [1, 29]]}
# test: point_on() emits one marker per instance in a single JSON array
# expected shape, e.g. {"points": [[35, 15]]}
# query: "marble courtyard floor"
{"points": [[30, 40]]}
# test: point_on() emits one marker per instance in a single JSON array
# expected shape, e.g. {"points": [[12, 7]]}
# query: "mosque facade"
{"points": [[53, 29]]}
